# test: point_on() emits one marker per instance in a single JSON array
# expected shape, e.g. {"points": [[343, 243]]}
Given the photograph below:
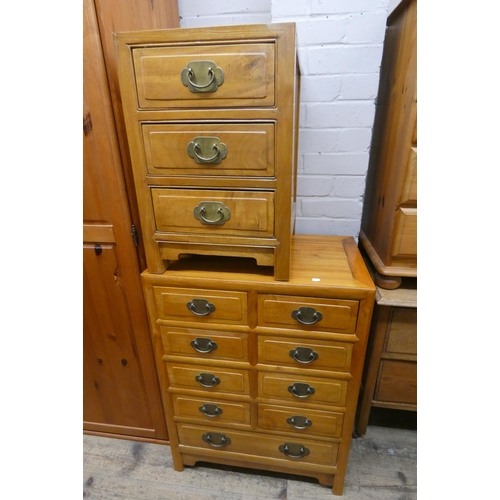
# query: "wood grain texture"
{"points": [[389, 221], [124, 15], [260, 87], [121, 391], [327, 275]]}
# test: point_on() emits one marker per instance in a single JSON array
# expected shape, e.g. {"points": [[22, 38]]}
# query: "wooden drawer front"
{"points": [[204, 344], [337, 315], [405, 232], [397, 382], [256, 444], [227, 381], [249, 149], [248, 75], [223, 411], [409, 191], [307, 354], [315, 422], [216, 306], [402, 331], [331, 392], [251, 212]]}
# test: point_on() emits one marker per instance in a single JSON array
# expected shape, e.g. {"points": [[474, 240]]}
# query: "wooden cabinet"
{"points": [[390, 378], [389, 221], [121, 394], [261, 373], [212, 124]]}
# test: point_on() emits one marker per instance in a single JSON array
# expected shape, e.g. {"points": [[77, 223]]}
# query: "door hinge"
{"points": [[135, 236]]}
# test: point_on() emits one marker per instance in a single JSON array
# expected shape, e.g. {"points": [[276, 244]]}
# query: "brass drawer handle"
{"points": [[299, 422], [210, 410], [200, 307], [216, 439], [205, 145], [300, 390], [307, 315], [294, 450], [203, 345], [202, 76], [207, 379], [212, 213], [304, 355]]}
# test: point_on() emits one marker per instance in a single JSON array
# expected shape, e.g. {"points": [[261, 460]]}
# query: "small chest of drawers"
{"points": [[212, 124], [390, 373], [262, 373]]}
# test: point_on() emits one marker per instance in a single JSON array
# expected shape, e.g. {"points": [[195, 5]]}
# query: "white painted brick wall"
{"points": [[340, 45], [196, 13]]}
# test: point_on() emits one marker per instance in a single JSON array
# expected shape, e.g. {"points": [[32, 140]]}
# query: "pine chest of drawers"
{"points": [[262, 373], [212, 123]]}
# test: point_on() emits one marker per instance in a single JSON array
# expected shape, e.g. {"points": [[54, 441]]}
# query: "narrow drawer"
{"points": [[304, 313], [302, 390], [204, 344], [208, 378], [402, 331], [212, 410], [201, 306], [265, 445], [405, 232], [216, 149], [214, 212], [397, 382], [302, 421], [305, 353], [237, 75]]}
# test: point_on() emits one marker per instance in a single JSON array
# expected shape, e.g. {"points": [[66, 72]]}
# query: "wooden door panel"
{"points": [[121, 390], [115, 391]]}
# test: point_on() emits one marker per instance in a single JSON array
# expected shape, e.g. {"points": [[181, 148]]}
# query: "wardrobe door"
{"points": [[121, 393]]}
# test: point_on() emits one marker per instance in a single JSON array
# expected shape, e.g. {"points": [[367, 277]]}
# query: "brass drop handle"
{"points": [[203, 345], [200, 307], [299, 422], [202, 159], [220, 213], [210, 410], [307, 315], [216, 440], [300, 390], [201, 146], [207, 379], [304, 355], [190, 74], [212, 213], [208, 75], [294, 450]]}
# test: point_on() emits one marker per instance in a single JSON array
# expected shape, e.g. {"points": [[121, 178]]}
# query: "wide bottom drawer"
{"points": [[279, 447]]}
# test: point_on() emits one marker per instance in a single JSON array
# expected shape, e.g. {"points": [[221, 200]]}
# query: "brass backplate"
{"points": [[202, 76], [207, 150]]}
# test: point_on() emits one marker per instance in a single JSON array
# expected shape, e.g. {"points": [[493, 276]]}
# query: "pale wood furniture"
{"points": [[390, 375], [121, 395], [212, 122], [389, 221], [261, 373]]}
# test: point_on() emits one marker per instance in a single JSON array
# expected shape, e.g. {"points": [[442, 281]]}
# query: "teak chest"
{"points": [[261, 373], [212, 124]]}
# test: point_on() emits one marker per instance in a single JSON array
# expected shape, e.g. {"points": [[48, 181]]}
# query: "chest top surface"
{"points": [[320, 265]]}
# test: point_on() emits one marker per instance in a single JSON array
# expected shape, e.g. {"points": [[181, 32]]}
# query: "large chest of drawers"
{"points": [[212, 123], [262, 373]]}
